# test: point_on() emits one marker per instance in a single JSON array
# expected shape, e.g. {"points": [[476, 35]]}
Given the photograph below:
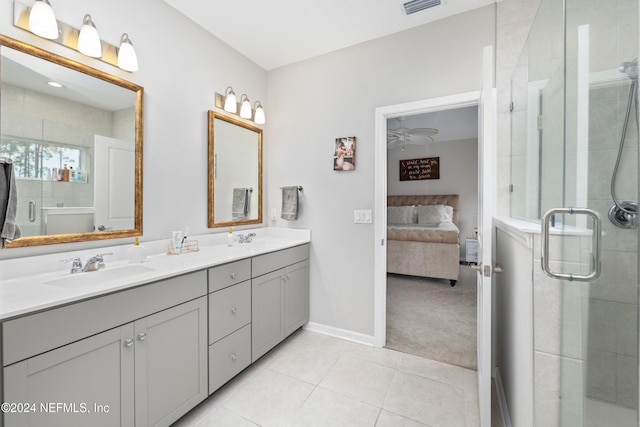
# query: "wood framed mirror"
{"points": [[76, 149], [235, 172]]}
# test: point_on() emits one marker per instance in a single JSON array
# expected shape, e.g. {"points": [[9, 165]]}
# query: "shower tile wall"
{"points": [[612, 348], [58, 122]]}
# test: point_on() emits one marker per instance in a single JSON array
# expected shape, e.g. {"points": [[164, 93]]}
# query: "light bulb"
{"points": [[230, 103], [259, 114], [127, 59], [42, 20], [245, 107], [89, 40]]}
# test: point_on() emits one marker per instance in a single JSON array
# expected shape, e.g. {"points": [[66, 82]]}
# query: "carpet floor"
{"points": [[430, 318]]}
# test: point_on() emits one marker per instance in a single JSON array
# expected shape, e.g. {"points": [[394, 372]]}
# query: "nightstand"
{"points": [[472, 246]]}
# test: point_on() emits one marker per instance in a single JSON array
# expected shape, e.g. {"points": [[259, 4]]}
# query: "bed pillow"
{"points": [[448, 213], [400, 214], [430, 214]]}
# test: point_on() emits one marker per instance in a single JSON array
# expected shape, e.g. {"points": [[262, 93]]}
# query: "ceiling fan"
{"points": [[401, 136]]}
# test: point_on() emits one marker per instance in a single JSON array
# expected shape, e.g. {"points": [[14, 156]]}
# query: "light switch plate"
{"points": [[362, 216]]}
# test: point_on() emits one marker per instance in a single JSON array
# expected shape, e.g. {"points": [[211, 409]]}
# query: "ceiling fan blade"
{"points": [[428, 132]]}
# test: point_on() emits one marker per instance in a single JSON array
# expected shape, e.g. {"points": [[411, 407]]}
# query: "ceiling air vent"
{"points": [[414, 6]]}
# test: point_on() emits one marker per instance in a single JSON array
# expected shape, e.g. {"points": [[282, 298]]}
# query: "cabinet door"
{"points": [[170, 363], [86, 383], [296, 294], [267, 327]]}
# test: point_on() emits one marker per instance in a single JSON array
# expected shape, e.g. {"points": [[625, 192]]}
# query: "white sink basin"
{"points": [[79, 279]]}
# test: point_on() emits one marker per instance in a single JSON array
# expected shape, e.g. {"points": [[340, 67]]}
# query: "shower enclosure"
{"points": [[574, 137]]}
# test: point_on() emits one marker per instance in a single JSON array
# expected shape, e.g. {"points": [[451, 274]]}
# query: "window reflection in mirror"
{"points": [[235, 172], [71, 146]]}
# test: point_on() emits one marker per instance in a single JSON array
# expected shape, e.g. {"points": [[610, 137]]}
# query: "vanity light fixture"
{"points": [[127, 58], [89, 40], [259, 117], [230, 103], [245, 107], [42, 20]]}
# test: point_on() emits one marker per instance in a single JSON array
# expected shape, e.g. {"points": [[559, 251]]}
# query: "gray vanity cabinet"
{"points": [[170, 363], [94, 371], [280, 297], [229, 321], [148, 372]]}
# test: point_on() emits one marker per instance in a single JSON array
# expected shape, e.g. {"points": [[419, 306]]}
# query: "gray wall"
{"points": [[335, 95]]}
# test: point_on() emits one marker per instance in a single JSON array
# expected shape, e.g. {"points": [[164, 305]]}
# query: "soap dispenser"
{"points": [[230, 237], [137, 252]]}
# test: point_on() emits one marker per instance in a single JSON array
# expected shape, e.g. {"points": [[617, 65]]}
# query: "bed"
{"points": [[423, 236]]}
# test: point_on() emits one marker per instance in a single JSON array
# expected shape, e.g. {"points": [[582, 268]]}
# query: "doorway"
{"points": [[469, 99], [432, 159]]}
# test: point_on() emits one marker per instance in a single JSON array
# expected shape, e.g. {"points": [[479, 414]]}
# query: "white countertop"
{"points": [[36, 283]]}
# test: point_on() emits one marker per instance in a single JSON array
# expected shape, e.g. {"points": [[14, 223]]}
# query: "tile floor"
{"points": [[316, 380]]}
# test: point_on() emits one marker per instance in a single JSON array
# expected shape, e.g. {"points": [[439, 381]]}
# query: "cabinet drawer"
{"points": [[226, 275], [31, 335], [228, 357], [229, 310], [266, 263]]}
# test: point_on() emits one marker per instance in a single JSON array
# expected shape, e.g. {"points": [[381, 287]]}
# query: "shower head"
{"points": [[630, 69]]}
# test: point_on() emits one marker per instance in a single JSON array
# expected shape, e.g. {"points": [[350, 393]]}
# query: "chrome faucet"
{"points": [[95, 262], [246, 239], [76, 266]]}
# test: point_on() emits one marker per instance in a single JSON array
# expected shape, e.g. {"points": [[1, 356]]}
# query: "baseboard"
{"points": [[502, 400], [340, 333]]}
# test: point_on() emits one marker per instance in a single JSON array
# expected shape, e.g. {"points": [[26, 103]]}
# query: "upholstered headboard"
{"points": [[440, 199]]}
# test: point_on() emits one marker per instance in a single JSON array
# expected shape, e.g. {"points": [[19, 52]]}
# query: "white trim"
{"points": [[340, 333], [462, 100]]}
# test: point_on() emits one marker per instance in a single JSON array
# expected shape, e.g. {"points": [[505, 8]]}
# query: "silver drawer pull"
{"points": [[233, 310], [597, 247], [233, 356], [233, 275], [142, 336], [128, 342]]}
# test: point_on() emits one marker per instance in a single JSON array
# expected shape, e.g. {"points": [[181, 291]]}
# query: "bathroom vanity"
{"points": [[143, 350]]}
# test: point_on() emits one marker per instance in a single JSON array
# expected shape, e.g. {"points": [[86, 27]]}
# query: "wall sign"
{"points": [[417, 169]]}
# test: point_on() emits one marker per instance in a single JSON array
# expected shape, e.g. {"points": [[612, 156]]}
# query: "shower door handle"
{"points": [[597, 246]]}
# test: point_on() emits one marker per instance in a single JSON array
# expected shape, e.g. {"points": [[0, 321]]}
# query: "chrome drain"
{"points": [[624, 215]]}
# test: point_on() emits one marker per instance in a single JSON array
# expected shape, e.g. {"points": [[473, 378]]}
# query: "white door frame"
{"points": [[462, 100]]}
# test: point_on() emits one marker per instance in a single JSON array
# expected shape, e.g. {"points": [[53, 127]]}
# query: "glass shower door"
{"points": [[575, 145], [597, 358]]}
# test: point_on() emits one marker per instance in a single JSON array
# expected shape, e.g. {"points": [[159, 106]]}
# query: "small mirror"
{"points": [[235, 172], [76, 148]]}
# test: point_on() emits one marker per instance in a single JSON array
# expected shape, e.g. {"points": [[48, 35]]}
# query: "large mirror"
{"points": [[235, 172], [74, 137]]}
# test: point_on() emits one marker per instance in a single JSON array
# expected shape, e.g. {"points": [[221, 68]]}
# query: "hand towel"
{"points": [[9, 229], [289, 203], [240, 204]]}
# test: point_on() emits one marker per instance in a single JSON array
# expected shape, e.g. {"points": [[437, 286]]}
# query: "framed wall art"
{"points": [[344, 154]]}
